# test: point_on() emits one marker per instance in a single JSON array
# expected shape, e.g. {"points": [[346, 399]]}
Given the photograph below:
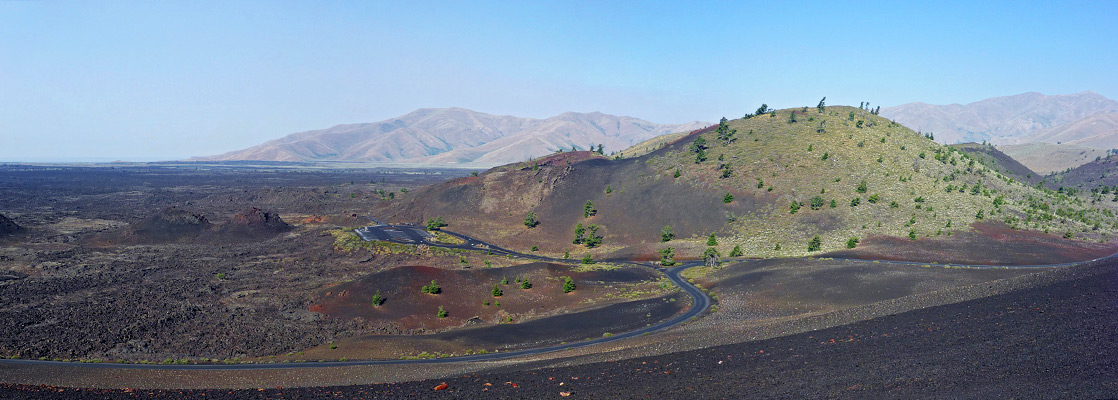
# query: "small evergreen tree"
{"points": [[728, 198], [588, 259], [667, 256], [736, 252], [592, 239], [666, 234], [568, 284], [580, 234], [588, 210], [497, 292], [817, 202], [525, 284], [530, 221], [862, 187], [504, 280], [442, 312], [677, 173], [822, 104], [815, 243], [794, 207], [851, 243], [377, 299], [711, 256], [712, 240], [433, 288], [433, 224]]}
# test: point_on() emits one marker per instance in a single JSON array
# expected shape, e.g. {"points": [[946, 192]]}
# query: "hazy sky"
{"points": [[166, 80]]}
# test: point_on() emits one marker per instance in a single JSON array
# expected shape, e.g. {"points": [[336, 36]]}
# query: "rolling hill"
{"points": [[1023, 118], [767, 184], [1046, 158], [456, 136]]}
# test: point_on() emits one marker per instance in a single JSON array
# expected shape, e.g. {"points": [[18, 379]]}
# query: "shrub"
{"points": [[497, 292], [712, 240], [442, 312], [873, 198], [504, 280], [912, 234], [856, 202], [852, 243], [736, 252], [816, 202], [377, 299], [530, 221], [794, 207], [433, 288], [535, 248], [861, 187], [568, 284], [525, 284], [220, 276], [588, 259], [728, 198]]}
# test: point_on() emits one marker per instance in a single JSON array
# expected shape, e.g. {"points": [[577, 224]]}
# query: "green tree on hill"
{"points": [[794, 207], [822, 104], [525, 284], [580, 234], [433, 224], [764, 109], [677, 173], [666, 234], [442, 313], [592, 239], [817, 202], [568, 284], [497, 292], [588, 259], [433, 288], [728, 198], [588, 210], [711, 256], [736, 252], [530, 221], [667, 255], [712, 240], [815, 243], [377, 299], [851, 243], [861, 187]]}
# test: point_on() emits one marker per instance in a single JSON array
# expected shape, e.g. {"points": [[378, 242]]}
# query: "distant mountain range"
{"points": [[1086, 119], [457, 136]]}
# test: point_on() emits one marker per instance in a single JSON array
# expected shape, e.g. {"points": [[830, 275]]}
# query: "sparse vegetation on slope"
{"points": [[834, 172]]}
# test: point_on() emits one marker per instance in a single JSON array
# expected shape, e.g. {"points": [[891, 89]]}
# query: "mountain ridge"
{"points": [[455, 136], [1000, 120]]}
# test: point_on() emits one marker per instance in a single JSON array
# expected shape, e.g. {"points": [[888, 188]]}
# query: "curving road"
{"points": [[416, 235], [410, 234]]}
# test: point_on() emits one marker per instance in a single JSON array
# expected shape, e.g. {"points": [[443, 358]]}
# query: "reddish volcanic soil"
{"points": [[990, 243], [464, 292]]}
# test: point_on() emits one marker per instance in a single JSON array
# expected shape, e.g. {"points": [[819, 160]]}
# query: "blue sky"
{"points": [[166, 80]]}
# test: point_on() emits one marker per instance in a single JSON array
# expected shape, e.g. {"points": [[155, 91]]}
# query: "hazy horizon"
{"points": [[165, 81]]}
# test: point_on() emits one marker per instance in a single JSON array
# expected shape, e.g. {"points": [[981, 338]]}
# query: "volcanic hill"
{"points": [[768, 184]]}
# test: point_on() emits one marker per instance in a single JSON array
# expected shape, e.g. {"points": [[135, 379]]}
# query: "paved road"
{"points": [[409, 234]]}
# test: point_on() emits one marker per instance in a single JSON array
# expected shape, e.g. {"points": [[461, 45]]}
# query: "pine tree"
{"points": [[497, 292], [712, 240], [736, 252], [530, 221], [666, 234], [377, 299], [588, 210], [580, 234], [815, 243], [568, 284]]}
